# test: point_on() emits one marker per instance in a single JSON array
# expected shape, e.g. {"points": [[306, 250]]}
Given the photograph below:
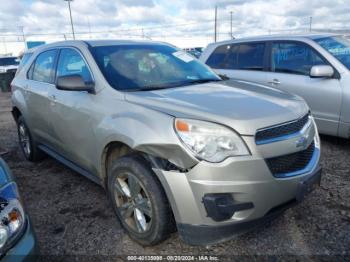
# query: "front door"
{"points": [[291, 63]]}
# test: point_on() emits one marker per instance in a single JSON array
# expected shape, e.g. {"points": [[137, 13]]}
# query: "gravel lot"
{"points": [[72, 216]]}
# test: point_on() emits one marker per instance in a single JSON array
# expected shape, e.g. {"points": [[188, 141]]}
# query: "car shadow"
{"points": [[338, 141]]}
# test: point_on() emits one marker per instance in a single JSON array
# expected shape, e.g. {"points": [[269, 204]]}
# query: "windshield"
{"points": [[147, 67], [338, 46], [6, 61]]}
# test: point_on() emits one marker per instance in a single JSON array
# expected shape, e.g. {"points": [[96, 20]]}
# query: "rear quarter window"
{"points": [[24, 61], [240, 56], [217, 58]]}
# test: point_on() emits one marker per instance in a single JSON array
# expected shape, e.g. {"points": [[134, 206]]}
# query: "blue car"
{"points": [[17, 239]]}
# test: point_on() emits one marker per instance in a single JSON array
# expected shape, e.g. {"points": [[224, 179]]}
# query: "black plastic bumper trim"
{"points": [[221, 206]]}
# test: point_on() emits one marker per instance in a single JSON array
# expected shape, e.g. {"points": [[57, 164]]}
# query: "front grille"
{"points": [[281, 130], [282, 165]]}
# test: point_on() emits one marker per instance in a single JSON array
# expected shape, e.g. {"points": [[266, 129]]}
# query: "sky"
{"points": [[185, 23]]}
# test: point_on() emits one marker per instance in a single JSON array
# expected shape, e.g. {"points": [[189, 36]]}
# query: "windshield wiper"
{"points": [[177, 84], [147, 88], [201, 81]]}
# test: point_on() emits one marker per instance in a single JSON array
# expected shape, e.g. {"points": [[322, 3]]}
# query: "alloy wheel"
{"points": [[133, 202], [24, 139]]}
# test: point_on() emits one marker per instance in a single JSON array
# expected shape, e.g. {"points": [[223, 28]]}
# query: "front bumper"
{"points": [[205, 234], [25, 249], [247, 179]]}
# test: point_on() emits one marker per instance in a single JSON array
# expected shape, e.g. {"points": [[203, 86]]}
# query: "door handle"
{"points": [[274, 82]]}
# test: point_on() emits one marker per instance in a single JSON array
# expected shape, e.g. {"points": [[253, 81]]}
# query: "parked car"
{"points": [[25, 58], [8, 64], [313, 66], [173, 144], [195, 51], [17, 239]]}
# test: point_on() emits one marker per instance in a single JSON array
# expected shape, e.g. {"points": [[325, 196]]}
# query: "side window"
{"points": [[216, 59], [43, 68], [251, 56], [24, 61], [232, 57], [30, 71], [294, 58], [72, 63]]}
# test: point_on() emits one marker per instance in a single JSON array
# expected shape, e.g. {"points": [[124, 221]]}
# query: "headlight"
{"points": [[317, 137], [209, 141], [12, 219]]}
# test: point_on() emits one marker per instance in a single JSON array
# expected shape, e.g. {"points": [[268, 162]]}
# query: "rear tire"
{"points": [[28, 146], [139, 200]]}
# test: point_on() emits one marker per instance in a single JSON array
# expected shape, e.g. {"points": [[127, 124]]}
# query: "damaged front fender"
{"points": [[151, 133]]}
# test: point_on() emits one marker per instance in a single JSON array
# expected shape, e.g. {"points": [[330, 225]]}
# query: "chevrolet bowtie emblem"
{"points": [[302, 141]]}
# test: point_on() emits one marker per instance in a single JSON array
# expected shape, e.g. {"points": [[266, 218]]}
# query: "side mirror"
{"points": [[321, 71], [74, 83]]}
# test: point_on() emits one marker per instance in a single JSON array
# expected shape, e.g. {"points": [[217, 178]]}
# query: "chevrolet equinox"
{"points": [[175, 146]]}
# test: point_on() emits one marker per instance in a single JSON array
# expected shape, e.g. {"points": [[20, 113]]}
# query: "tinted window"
{"points": [[43, 70], [72, 63], [144, 67], [232, 58], [251, 56], [338, 46], [295, 58], [216, 59]]}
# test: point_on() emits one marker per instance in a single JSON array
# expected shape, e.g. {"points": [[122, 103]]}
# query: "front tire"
{"points": [[139, 200], [28, 146]]}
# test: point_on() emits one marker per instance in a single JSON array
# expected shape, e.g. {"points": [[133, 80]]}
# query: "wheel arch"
{"points": [[16, 113], [112, 150]]}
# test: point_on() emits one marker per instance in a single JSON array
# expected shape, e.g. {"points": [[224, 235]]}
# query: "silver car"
{"points": [[174, 145], [313, 66]]}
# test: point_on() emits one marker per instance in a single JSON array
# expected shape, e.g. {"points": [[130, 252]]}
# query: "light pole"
{"points": [[21, 27], [310, 23], [231, 25], [216, 22], [70, 14], [88, 18]]}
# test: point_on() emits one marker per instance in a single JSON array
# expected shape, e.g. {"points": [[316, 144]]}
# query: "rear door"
{"points": [[245, 61], [291, 62], [40, 79]]}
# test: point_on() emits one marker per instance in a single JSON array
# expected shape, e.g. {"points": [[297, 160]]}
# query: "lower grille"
{"points": [[282, 165]]}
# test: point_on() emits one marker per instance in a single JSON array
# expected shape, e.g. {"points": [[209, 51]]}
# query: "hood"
{"points": [[241, 105]]}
